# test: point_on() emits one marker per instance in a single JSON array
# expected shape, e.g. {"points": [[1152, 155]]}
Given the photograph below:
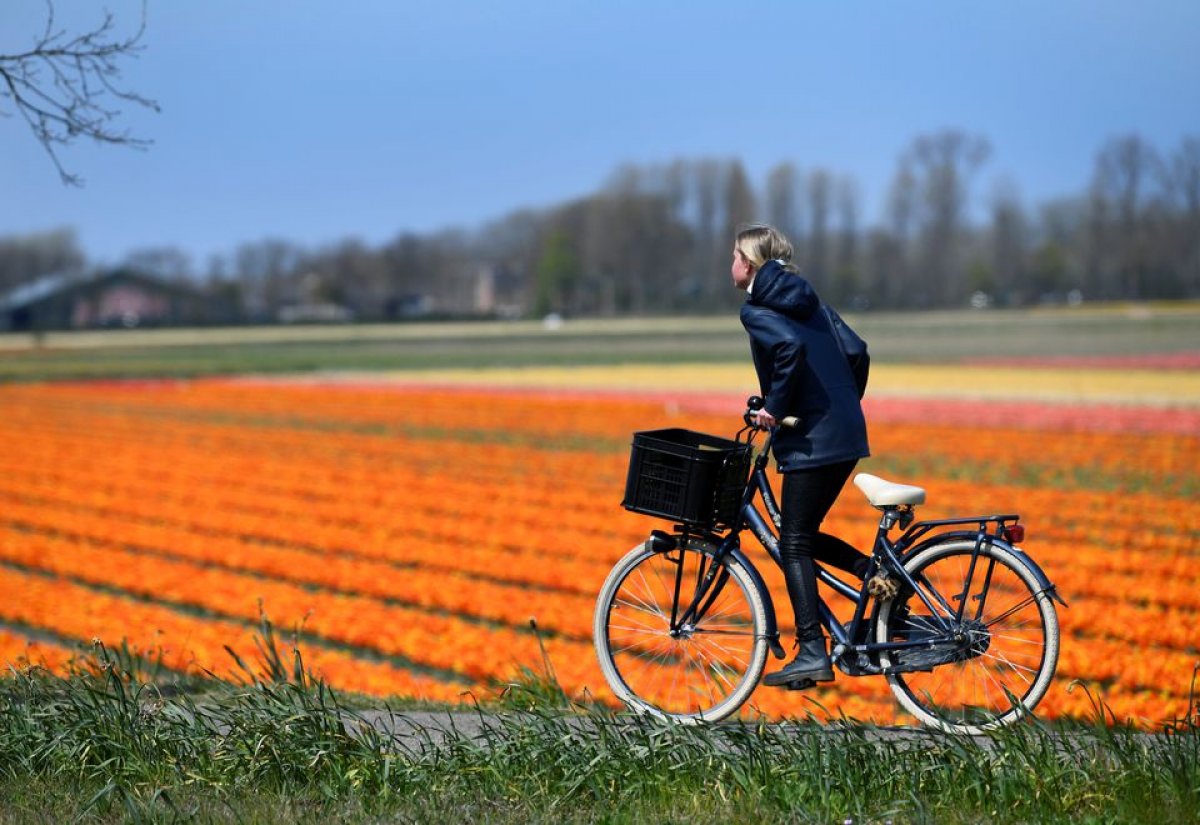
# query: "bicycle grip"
{"points": [[790, 421]]}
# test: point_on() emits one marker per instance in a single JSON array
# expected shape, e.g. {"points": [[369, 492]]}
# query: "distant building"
{"points": [[475, 290], [122, 298]]}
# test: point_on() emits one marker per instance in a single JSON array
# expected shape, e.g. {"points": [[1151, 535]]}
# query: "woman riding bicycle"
{"points": [[802, 372]]}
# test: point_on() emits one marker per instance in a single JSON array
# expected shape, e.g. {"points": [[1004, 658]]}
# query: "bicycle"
{"points": [[683, 623]]}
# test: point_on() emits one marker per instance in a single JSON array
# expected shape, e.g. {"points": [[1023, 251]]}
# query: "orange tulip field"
{"points": [[409, 532]]}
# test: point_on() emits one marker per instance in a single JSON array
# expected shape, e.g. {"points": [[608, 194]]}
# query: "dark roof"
{"points": [[50, 285], [34, 291]]}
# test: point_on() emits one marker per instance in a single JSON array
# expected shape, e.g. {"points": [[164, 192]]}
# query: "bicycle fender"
{"points": [[1043, 580], [764, 593]]}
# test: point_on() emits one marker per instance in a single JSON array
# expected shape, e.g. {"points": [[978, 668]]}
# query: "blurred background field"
{"points": [[1119, 331]]}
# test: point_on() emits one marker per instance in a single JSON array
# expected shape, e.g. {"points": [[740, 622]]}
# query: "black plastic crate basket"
{"points": [[686, 476]]}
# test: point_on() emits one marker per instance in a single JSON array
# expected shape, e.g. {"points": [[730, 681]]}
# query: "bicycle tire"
{"points": [[702, 675], [1002, 668]]}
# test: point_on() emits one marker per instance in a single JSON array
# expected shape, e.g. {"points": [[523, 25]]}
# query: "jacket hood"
{"points": [[784, 292]]}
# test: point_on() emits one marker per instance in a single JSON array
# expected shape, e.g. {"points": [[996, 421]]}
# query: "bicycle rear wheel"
{"points": [[1005, 652], [699, 672]]}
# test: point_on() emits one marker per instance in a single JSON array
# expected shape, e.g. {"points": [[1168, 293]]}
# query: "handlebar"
{"points": [[755, 403]]}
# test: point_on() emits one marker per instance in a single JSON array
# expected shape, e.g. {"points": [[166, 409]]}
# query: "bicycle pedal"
{"points": [[801, 684], [882, 587]]}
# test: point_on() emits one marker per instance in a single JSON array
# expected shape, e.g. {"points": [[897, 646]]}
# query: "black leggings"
{"points": [[807, 497]]}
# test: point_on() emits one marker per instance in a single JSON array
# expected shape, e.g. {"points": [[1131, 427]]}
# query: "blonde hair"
{"points": [[760, 243]]}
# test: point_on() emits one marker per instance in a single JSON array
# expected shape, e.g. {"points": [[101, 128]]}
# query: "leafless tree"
{"points": [[266, 269], [1185, 193], [783, 211], [846, 275], [66, 86], [739, 199], [815, 260], [25, 258], [1126, 170], [891, 251], [943, 164], [170, 263], [1008, 242], [707, 176]]}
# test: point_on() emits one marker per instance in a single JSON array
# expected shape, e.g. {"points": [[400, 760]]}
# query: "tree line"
{"points": [[656, 238]]}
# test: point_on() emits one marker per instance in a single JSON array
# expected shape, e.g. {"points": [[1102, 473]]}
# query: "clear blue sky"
{"points": [[315, 120]]}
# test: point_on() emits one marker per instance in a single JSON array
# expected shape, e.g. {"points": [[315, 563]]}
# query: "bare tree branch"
{"points": [[67, 86]]}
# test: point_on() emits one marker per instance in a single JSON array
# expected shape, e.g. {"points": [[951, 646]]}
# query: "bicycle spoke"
{"points": [[1014, 638], [644, 618], [1010, 638], [649, 591], [1020, 606], [695, 669], [1005, 692], [731, 654], [697, 657], [1020, 670]]}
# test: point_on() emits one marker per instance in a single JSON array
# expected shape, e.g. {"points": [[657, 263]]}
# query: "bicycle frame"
{"points": [[887, 554]]}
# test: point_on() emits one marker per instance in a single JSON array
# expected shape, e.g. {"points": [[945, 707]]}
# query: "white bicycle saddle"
{"points": [[883, 493]]}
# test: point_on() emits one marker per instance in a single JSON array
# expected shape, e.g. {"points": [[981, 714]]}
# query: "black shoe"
{"points": [[811, 664]]}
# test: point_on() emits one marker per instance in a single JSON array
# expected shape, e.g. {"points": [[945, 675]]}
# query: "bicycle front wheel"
{"points": [[699, 671], [1003, 650]]}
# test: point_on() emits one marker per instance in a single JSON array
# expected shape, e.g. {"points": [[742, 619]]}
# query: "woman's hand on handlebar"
{"points": [[763, 419], [757, 416]]}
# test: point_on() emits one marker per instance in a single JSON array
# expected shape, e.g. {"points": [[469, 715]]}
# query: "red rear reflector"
{"points": [[1015, 534]]}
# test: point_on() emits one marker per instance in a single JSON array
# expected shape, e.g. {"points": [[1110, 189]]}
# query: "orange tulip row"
{"points": [[510, 412], [19, 651], [1174, 590], [1089, 623], [348, 450], [439, 589], [429, 640], [1001, 444], [336, 521], [509, 408], [320, 486], [189, 643]]}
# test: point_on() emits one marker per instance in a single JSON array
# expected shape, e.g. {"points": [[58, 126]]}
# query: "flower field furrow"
{"points": [[564, 613], [1016, 451], [1077, 580], [486, 557], [188, 643], [1136, 457], [1152, 454], [1066, 516], [366, 402], [1129, 514], [444, 642], [424, 526], [175, 580], [419, 407], [1155, 553], [1130, 664], [20, 651]]}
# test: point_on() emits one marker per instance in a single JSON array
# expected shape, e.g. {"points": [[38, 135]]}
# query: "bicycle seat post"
{"points": [[893, 515]]}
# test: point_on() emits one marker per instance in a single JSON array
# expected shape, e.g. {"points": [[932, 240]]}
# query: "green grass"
{"points": [[105, 744], [898, 337]]}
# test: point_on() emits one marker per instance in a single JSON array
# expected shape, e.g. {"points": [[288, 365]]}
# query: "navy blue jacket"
{"points": [[802, 372]]}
